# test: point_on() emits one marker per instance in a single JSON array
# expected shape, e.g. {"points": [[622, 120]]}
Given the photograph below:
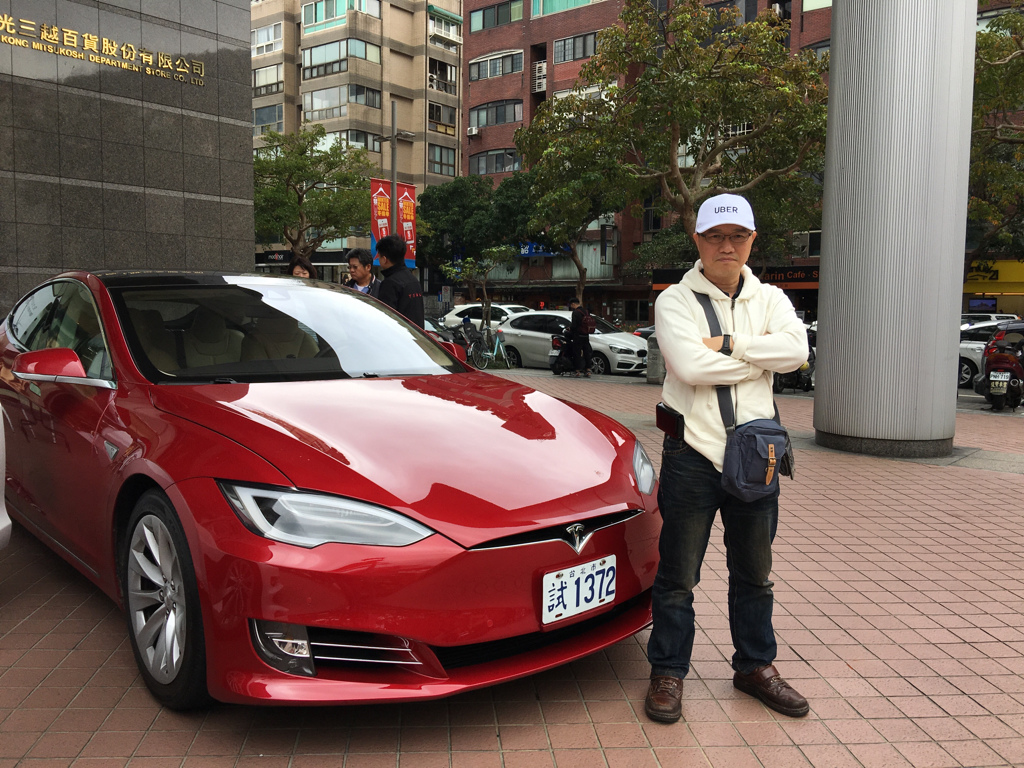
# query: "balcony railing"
{"points": [[444, 86]]}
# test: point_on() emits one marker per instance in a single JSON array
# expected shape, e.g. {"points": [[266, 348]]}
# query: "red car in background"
{"points": [[247, 465]]}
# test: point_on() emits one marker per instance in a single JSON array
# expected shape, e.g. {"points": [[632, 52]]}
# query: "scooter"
{"points": [[1002, 384], [798, 379], [563, 361]]}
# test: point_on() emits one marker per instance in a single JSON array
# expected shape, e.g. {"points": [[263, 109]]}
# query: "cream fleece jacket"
{"points": [[766, 336]]}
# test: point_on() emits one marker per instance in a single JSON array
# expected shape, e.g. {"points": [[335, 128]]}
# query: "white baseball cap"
{"points": [[725, 209]]}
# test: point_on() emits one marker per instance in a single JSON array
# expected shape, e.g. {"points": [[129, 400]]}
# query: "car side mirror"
{"points": [[453, 349], [59, 364], [47, 364]]}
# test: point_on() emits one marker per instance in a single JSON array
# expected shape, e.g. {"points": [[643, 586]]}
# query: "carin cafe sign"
{"points": [[60, 41]]}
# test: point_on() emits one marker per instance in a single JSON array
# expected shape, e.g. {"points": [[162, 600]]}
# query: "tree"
{"points": [[456, 217], [467, 219], [306, 194], [694, 104], [577, 177], [475, 271], [995, 208]]}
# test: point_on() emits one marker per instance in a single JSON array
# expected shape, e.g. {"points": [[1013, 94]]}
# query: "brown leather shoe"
{"points": [[664, 699], [766, 684]]}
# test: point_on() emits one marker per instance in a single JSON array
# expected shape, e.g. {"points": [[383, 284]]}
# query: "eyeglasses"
{"points": [[717, 238]]}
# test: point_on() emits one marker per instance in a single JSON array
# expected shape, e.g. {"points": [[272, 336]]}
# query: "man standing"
{"points": [[400, 289], [580, 330], [761, 334], [360, 270]]}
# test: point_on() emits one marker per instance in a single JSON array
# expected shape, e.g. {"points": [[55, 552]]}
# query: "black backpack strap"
{"points": [[723, 392], [724, 397]]}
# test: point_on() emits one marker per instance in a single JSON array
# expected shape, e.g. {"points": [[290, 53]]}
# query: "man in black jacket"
{"points": [[400, 290], [582, 352]]}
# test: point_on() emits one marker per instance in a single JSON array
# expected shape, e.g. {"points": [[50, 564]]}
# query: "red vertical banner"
{"points": [[380, 210], [407, 219]]}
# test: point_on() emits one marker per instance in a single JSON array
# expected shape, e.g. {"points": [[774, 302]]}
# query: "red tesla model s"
{"points": [[298, 496]]}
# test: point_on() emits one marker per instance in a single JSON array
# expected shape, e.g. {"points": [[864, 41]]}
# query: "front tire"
{"points": [[480, 359], [967, 373], [599, 364], [161, 600], [998, 402]]}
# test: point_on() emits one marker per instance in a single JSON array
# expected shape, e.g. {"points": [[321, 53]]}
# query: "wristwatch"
{"points": [[726, 345]]}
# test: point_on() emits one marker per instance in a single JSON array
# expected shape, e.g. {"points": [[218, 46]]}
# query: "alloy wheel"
{"points": [[157, 606]]}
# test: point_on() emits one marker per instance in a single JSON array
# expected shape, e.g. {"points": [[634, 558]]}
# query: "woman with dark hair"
{"points": [[300, 266]]}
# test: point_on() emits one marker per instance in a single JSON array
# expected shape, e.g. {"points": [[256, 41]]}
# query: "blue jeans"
{"points": [[690, 495]]}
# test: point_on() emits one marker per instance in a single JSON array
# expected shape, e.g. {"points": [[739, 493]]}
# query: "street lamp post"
{"points": [[393, 139]]}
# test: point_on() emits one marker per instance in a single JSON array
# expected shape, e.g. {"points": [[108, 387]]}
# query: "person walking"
{"points": [[761, 334], [400, 289], [360, 270], [580, 330]]}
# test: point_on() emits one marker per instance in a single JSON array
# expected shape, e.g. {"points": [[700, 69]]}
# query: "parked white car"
{"points": [[5, 520], [499, 314], [528, 343], [972, 345], [968, 319]]}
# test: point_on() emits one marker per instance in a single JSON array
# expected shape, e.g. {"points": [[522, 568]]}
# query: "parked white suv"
{"points": [[972, 345], [499, 314], [528, 343]]}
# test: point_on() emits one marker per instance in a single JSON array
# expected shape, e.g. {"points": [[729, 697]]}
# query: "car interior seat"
{"points": [[278, 338], [209, 341], [157, 342]]}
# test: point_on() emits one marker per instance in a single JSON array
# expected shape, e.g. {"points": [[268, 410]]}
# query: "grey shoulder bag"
{"points": [[756, 452]]}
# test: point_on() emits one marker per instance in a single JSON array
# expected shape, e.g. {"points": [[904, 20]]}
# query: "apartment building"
{"points": [[342, 63]]}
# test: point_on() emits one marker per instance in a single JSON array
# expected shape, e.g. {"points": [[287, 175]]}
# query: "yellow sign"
{"points": [[59, 41]]}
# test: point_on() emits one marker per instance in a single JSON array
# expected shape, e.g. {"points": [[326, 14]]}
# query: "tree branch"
{"points": [[771, 173]]}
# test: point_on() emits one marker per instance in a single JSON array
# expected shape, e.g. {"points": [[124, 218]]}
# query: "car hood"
{"points": [[623, 339], [473, 456]]}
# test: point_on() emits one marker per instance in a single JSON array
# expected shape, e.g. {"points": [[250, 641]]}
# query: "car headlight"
{"points": [[312, 519], [621, 350], [643, 469]]}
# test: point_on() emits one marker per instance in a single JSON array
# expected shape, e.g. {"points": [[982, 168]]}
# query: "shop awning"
{"points": [[445, 14]]}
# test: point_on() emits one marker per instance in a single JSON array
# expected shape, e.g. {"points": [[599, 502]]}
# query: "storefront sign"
{"points": [[85, 46]]}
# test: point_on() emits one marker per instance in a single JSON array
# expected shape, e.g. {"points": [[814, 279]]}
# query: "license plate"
{"points": [[999, 376], [577, 589]]}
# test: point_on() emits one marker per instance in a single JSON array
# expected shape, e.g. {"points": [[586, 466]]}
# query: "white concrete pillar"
{"points": [[895, 212]]}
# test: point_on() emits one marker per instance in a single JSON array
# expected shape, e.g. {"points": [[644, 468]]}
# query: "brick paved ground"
{"points": [[899, 607]]}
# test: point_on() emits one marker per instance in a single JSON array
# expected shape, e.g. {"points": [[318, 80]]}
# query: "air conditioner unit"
{"points": [[472, 130], [539, 81]]}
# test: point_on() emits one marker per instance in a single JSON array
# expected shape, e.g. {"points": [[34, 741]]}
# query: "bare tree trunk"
{"points": [[581, 282]]}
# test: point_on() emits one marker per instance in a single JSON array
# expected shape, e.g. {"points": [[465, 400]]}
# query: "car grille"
{"points": [[561, 532], [468, 655]]}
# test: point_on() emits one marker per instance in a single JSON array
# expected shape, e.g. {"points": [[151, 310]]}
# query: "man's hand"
{"points": [[714, 343]]}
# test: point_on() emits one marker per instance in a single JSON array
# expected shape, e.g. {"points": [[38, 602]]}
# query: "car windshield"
{"points": [[603, 326], [264, 329]]}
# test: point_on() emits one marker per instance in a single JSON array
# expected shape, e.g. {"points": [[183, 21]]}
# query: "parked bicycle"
{"points": [[485, 349]]}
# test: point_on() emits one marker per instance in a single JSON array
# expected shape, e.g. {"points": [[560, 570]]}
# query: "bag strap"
{"points": [[723, 390]]}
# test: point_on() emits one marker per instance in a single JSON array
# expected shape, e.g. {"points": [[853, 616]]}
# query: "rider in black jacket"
{"points": [[400, 290]]}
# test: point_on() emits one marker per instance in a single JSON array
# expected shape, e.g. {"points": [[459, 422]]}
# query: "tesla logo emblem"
{"points": [[579, 540]]}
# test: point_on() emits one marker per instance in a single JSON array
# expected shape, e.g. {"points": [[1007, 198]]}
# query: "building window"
{"points": [[495, 161], [544, 7], [266, 39], [441, 77], [331, 58], [441, 160], [328, 59], [325, 103], [360, 94], [325, 14], [652, 218], [496, 15], [574, 48], [820, 49], [268, 119], [441, 118], [363, 140], [496, 65], [496, 113], [268, 80], [444, 33]]}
